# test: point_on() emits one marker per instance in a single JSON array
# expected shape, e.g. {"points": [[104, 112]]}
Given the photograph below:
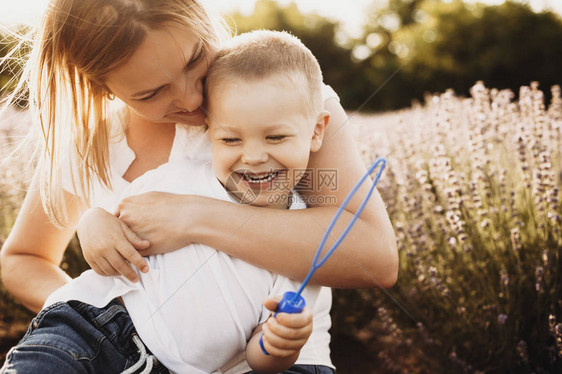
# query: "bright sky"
{"points": [[351, 14]]}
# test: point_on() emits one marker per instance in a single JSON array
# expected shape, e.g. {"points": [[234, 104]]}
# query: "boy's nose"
{"points": [[254, 156]]}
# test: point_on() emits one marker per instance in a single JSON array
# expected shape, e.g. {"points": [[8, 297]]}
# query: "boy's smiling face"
{"points": [[262, 136]]}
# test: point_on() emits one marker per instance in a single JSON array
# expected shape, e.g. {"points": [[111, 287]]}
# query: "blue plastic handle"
{"points": [[293, 302]]}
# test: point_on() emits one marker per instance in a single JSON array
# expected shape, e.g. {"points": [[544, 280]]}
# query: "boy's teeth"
{"points": [[265, 178]]}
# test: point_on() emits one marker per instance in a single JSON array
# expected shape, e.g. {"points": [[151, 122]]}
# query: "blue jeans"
{"points": [[306, 369], [77, 338]]}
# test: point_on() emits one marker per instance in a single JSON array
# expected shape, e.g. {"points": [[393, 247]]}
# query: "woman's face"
{"points": [[163, 80]]}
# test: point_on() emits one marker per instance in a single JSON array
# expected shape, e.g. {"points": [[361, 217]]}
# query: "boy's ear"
{"points": [[319, 130]]}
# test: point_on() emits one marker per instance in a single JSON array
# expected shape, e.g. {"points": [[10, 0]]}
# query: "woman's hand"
{"points": [[161, 218], [109, 245]]}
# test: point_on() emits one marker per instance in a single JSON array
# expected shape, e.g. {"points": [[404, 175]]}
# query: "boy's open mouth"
{"points": [[260, 178]]}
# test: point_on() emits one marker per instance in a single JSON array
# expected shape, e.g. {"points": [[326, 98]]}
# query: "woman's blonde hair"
{"points": [[78, 43]]}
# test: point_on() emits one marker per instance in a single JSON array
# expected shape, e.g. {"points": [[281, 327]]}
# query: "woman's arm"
{"points": [[283, 242], [33, 251], [336, 169]]}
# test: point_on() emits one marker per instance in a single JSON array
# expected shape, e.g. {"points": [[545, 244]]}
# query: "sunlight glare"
{"points": [[21, 11], [352, 15]]}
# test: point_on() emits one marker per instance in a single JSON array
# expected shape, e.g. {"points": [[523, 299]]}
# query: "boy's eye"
{"points": [[276, 138], [230, 140]]}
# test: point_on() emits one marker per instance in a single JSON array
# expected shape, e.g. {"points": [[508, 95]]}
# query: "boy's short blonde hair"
{"points": [[261, 54]]}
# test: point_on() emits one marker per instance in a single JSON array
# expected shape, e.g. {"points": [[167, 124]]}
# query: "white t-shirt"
{"points": [[191, 143], [197, 307]]}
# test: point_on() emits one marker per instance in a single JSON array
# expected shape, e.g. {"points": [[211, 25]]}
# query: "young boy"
{"points": [[197, 308]]}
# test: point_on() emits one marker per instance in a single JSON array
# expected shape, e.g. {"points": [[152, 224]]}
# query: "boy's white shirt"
{"points": [[191, 153], [197, 307]]}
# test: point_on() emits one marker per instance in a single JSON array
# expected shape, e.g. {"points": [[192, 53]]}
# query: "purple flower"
{"points": [[502, 318]]}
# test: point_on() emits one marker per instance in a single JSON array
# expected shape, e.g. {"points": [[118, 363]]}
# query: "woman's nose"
{"points": [[188, 95]]}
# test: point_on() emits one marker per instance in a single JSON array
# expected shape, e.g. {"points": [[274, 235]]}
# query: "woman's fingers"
{"points": [[161, 218]]}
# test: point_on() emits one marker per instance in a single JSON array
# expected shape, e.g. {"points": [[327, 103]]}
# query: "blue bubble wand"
{"points": [[293, 302]]}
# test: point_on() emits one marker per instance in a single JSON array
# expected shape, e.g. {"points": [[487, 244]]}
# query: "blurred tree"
{"points": [[431, 45], [506, 46], [316, 32], [383, 85], [408, 47]]}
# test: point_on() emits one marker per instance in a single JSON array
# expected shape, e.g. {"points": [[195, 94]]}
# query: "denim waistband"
{"points": [[113, 321], [70, 337]]}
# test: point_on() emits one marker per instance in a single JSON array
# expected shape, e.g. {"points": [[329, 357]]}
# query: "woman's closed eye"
{"points": [[187, 67], [152, 94], [196, 59]]}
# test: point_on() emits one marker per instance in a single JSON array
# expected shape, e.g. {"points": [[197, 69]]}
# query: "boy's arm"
{"points": [[283, 337], [262, 363], [109, 246]]}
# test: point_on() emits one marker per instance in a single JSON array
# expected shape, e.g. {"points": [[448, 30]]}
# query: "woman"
{"points": [[77, 69]]}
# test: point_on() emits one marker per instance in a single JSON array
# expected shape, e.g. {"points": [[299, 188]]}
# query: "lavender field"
{"points": [[472, 188], [473, 192]]}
